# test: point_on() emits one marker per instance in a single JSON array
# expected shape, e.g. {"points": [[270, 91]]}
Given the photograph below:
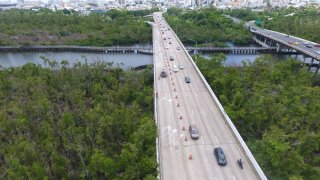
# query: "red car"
{"points": [[317, 45]]}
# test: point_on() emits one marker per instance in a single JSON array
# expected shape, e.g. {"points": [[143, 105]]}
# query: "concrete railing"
{"points": [[311, 54], [155, 96], [244, 148]]}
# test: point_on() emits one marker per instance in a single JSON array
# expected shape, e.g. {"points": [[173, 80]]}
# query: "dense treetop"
{"points": [[275, 106], [206, 26], [115, 27], [90, 121], [304, 23]]}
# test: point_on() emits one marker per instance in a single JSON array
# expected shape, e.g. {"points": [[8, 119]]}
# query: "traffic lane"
{"points": [[167, 119], [198, 119], [204, 134], [186, 134], [210, 168], [292, 40], [215, 132], [213, 113]]}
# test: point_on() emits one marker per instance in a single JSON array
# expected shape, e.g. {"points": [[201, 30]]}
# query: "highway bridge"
{"points": [[286, 43], [179, 104], [135, 49]]}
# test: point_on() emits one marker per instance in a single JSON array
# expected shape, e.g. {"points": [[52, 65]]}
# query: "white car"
{"points": [[318, 52], [305, 43], [181, 66], [175, 68]]}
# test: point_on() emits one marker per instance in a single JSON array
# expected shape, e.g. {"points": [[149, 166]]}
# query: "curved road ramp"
{"points": [[191, 121]]}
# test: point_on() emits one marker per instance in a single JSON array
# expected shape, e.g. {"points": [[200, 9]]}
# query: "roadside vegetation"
{"points": [[206, 26], [300, 22], [45, 27], [89, 121], [275, 106]]}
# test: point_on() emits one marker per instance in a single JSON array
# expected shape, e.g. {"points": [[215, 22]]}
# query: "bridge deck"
{"points": [[180, 104]]}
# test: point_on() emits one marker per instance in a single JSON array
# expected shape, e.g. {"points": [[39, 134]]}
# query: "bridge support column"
{"points": [[278, 48], [317, 70], [311, 63]]}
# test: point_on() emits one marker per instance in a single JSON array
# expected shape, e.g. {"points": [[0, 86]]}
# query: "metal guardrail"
{"points": [[249, 157]]}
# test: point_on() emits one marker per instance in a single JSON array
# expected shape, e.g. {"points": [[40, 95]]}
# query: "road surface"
{"points": [[180, 104], [302, 45]]}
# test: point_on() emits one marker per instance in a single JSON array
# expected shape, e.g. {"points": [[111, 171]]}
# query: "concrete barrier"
{"points": [[155, 89], [244, 148]]}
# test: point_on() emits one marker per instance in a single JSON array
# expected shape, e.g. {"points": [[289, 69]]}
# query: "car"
{"points": [[193, 132], [169, 37], [170, 42], [317, 45], [171, 58], [169, 29], [305, 43], [163, 73], [187, 79], [181, 67], [178, 48], [167, 47], [175, 68], [318, 52], [220, 156], [296, 43], [308, 46]]}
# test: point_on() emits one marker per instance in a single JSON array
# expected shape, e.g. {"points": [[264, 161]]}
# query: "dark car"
{"points": [[187, 79], [308, 46], [163, 73], [221, 158], [193, 132]]}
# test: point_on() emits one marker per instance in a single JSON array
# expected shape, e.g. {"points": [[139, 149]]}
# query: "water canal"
{"points": [[125, 61]]}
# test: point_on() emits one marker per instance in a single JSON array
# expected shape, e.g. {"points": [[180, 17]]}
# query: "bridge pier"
{"points": [[317, 70], [311, 63], [278, 48]]}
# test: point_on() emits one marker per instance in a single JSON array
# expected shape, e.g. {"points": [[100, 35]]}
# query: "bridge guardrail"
{"points": [[249, 157], [289, 45], [158, 145]]}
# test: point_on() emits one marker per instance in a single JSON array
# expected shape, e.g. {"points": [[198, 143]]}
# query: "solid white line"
{"points": [[215, 178], [217, 139], [201, 139], [234, 178]]}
